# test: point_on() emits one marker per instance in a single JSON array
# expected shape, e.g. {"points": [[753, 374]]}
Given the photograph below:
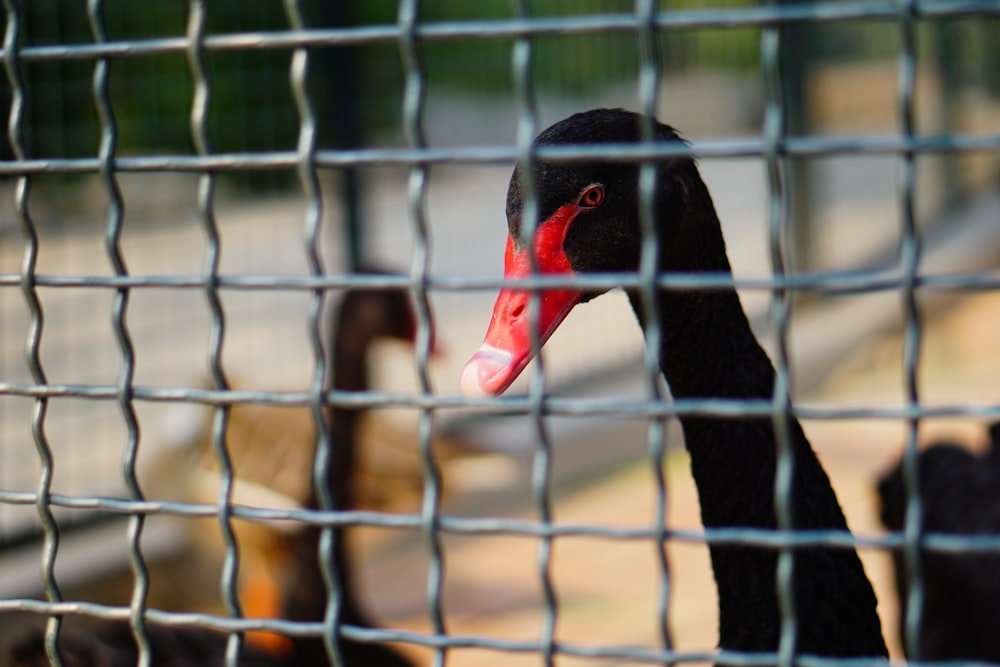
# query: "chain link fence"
{"points": [[206, 179]]}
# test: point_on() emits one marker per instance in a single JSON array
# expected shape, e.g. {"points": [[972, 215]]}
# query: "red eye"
{"points": [[592, 197]]}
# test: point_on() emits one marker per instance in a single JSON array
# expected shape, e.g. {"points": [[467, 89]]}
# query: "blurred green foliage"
{"points": [[251, 106], [357, 90]]}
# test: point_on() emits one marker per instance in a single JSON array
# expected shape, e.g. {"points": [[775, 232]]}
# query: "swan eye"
{"points": [[592, 197]]}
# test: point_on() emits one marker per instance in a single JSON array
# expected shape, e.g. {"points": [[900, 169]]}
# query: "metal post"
{"points": [[338, 101], [797, 52], [946, 43]]}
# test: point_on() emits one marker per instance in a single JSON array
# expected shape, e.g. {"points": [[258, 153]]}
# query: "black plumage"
{"points": [[960, 494], [113, 645]]}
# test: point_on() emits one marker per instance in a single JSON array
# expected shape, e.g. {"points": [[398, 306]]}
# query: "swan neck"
{"points": [[708, 350]]}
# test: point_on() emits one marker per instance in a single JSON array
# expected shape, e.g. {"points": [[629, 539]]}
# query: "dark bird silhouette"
{"points": [[364, 316], [588, 222], [960, 494], [113, 645]]}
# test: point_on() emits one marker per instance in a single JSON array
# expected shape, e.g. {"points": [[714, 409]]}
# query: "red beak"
{"points": [[506, 349]]}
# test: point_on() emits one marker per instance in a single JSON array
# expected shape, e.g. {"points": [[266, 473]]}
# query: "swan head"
{"points": [[584, 219]]}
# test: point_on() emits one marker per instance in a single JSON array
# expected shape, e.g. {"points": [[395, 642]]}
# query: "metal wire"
{"points": [[487, 527], [413, 112], [649, 80], [805, 146], [116, 220], [512, 404], [309, 182], [541, 470], [831, 283], [206, 207], [15, 132], [781, 313], [409, 33], [729, 17], [910, 256]]}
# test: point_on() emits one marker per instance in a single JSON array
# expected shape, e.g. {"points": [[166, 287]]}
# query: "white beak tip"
{"points": [[488, 373], [470, 381]]}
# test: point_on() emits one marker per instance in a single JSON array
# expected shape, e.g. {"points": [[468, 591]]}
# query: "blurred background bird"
{"points": [[375, 459], [272, 451], [960, 495]]}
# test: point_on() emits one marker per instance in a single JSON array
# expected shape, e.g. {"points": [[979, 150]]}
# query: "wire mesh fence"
{"points": [[209, 190]]}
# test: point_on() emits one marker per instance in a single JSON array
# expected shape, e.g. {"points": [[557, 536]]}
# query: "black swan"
{"points": [[589, 223], [364, 315], [960, 491]]}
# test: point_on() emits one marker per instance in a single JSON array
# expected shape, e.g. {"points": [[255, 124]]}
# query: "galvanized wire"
{"points": [[910, 260], [649, 89], [942, 543], [804, 146], [220, 421], [774, 127], [729, 17], [833, 283], [323, 457], [15, 132], [555, 405], [116, 220], [413, 118], [541, 465]]}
